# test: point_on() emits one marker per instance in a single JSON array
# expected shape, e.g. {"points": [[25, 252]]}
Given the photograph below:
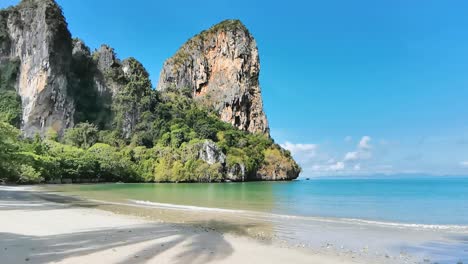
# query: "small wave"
{"points": [[270, 216], [409, 225], [372, 222], [185, 207], [310, 218]]}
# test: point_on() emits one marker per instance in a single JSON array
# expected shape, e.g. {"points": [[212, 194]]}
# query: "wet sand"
{"points": [[44, 228]]}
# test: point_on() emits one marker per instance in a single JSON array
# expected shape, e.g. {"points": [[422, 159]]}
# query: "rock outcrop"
{"points": [[107, 64], [113, 77], [278, 166], [237, 172], [35, 33], [221, 67], [211, 153]]}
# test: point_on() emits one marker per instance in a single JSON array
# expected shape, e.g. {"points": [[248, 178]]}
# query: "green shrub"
{"points": [[83, 135], [28, 174]]}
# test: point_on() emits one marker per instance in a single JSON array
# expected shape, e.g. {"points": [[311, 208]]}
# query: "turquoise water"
{"points": [[415, 200], [422, 200]]}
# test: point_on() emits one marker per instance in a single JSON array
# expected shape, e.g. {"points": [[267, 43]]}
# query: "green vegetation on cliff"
{"points": [[165, 147], [89, 104], [10, 103], [119, 127], [164, 144]]}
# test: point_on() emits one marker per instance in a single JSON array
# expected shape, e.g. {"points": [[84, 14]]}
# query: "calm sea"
{"points": [[421, 200]]}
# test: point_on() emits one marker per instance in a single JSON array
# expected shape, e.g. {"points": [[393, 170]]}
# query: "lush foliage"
{"points": [[133, 102], [83, 135], [164, 147], [139, 135], [10, 104], [36, 160], [90, 104]]}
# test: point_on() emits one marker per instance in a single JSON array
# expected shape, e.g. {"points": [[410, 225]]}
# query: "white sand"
{"points": [[36, 231]]}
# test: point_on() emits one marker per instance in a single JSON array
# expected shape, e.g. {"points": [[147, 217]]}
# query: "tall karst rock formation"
{"points": [[59, 81], [34, 37], [221, 67], [49, 81]]}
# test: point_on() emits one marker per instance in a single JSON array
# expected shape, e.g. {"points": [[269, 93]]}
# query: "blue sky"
{"points": [[351, 87]]}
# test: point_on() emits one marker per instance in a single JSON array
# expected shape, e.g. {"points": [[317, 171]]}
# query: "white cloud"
{"points": [[371, 155], [337, 166], [353, 160], [304, 153], [351, 156], [299, 147], [319, 162], [364, 143], [363, 151]]}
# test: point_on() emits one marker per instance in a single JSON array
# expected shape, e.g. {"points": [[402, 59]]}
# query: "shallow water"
{"points": [[400, 220], [431, 201]]}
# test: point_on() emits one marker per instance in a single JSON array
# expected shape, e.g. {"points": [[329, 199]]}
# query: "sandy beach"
{"points": [[38, 225], [35, 229]]}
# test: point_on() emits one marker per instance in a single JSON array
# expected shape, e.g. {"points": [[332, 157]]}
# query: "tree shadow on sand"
{"points": [[196, 245], [26, 200], [196, 242]]}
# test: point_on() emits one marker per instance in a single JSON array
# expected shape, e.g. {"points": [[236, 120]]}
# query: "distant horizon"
{"points": [[376, 176], [358, 88]]}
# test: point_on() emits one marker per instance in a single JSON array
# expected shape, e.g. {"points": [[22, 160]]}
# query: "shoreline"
{"points": [[357, 221], [355, 241], [253, 213], [35, 230]]}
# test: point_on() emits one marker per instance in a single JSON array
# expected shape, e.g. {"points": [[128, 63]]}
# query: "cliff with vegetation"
{"points": [[71, 115], [35, 49], [220, 68]]}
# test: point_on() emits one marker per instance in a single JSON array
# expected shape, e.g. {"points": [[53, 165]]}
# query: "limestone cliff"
{"points": [[108, 66], [59, 81], [221, 67], [35, 34], [113, 78], [50, 81]]}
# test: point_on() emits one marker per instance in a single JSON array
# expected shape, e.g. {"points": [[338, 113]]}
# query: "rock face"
{"points": [[107, 63], [59, 82], [221, 67], [35, 33], [134, 78], [113, 76], [211, 153], [237, 172]]}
